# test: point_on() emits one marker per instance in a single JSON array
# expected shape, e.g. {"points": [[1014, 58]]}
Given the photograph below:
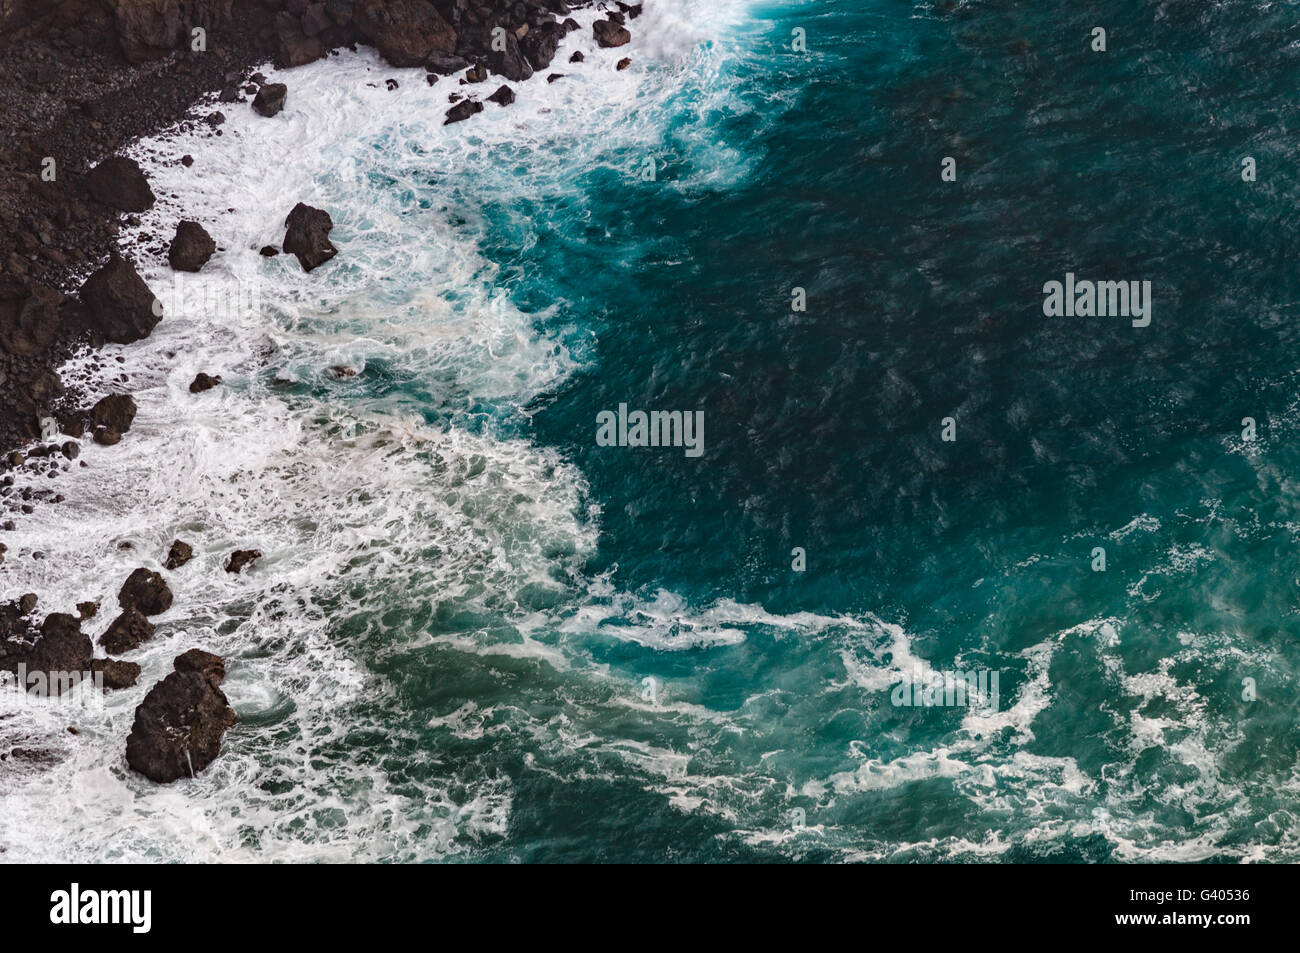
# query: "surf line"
{"points": [[1100, 299]]}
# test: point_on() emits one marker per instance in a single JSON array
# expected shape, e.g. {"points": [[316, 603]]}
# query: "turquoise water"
{"points": [[480, 636]]}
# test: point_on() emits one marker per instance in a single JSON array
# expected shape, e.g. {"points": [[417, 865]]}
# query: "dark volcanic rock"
{"points": [[116, 411], [62, 648], [29, 317], [128, 631], [179, 555], [510, 62], [107, 436], [306, 235], [505, 96], [116, 674], [178, 727], [191, 248], [203, 382], [118, 306], [406, 32], [296, 46], [539, 45], [608, 33], [444, 64], [270, 99], [462, 111], [119, 183], [87, 610], [624, 63], [147, 591], [242, 558]]}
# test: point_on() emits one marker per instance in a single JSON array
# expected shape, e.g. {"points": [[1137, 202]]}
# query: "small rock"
{"points": [[147, 591], [203, 382], [179, 555], [270, 99], [505, 96], [242, 558], [128, 631], [462, 111], [191, 248], [307, 236], [116, 674]]}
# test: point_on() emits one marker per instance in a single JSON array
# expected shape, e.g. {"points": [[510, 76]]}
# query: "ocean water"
{"points": [[477, 635]]}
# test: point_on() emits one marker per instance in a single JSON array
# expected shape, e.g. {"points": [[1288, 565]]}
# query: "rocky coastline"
{"points": [[83, 80]]}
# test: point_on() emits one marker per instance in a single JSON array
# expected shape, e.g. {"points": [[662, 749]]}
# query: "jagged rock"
{"points": [[510, 62], [128, 631], [270, 99], [87, 610], [405, 32], [462, 111], [107, 436], [179, 555], [191, 248], [540, 45], [62, 649], [505, 96], [118, 306], [203, 382], [242, 558], [624, 63], [116, 674], [118, 183], [296, 47], [147, 591], [306, 235], [178, 727], [609, 33], [444, 64], [116, 411]]}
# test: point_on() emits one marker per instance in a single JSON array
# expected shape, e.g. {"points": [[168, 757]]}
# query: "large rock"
{"points": [[178, 727], [130, 630], [119, 307], [296, 46], [270, 98], [306, 235], [510, 62], [191, 248], [405, 32], [62, 653], [118, 183], [116, 410], [29, 317], [145, 590], [539, 45], [608, 33], [462, 111]]}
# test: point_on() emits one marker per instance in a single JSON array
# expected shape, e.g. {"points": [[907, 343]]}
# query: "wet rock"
{"points": [[241, 559], [203, 382], [268, 251], [87, 610], [118, 306], [306, 235], [462, 111], [577, 57], [128, 631], [179, 555], [191, 247], [505, 96], [608, 33], [107, 436], [147, 591], [116, 674], [510, 62], [178, 727], [405, 32], [61, 649], [624, 63], [115, 410], [270, 99], [118, 183]]}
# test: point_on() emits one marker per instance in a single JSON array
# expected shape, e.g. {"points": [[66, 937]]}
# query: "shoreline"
{"points": [[50, 310]]}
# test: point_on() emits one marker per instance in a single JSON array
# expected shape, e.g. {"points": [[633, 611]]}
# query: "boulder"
{"points": [[462, 111], [505, 96], [609, 33], [270, 99], [115, 674], [178, 727], [119, 183], [242, 558], [62, 649], [145, 590], [203, 382], [128, 631], [191, 248], [405, 32], [118, 306], [510, 62], [116, 411], [179, 555], [306, 235]]}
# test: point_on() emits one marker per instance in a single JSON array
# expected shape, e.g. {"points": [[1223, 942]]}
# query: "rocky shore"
{"points": [[83, 80]]}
